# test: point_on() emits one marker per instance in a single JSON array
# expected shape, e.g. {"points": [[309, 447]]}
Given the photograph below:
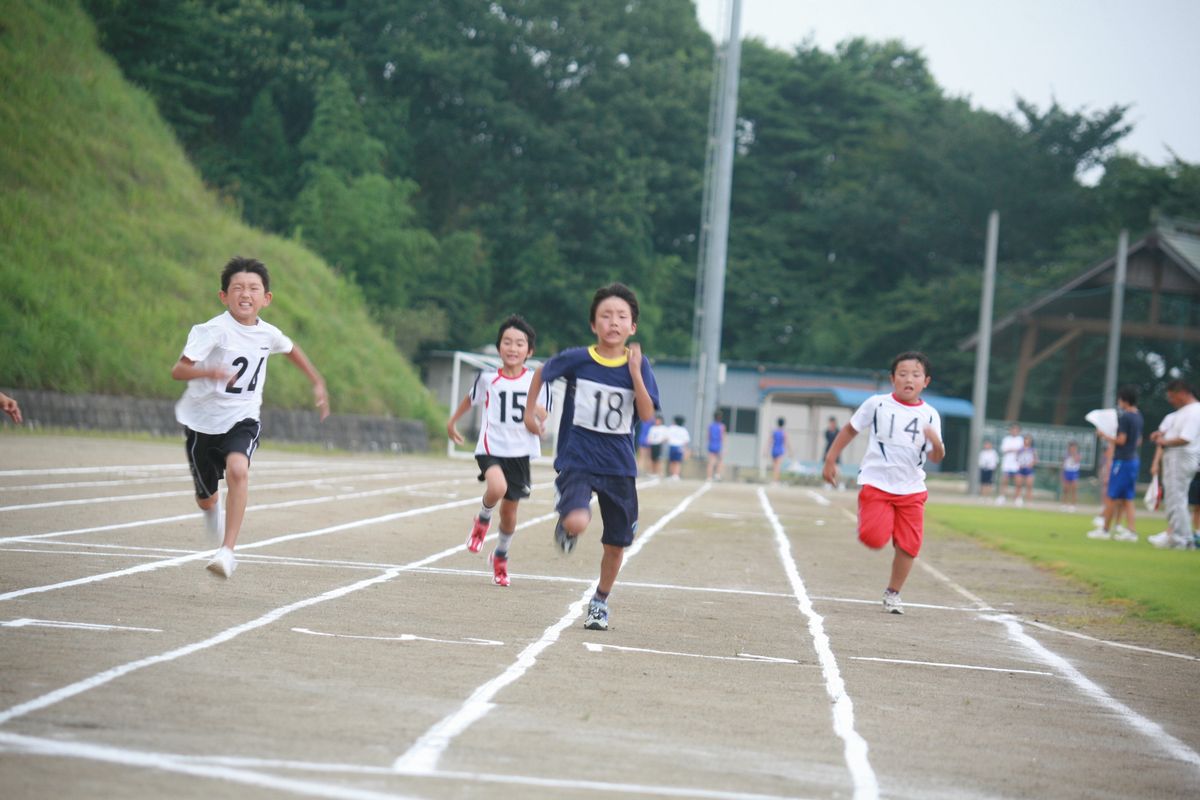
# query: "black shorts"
{"points": [[1194, 490], [656, 452], [206, 453], [618, 501], [986, 476], [516, 474]]}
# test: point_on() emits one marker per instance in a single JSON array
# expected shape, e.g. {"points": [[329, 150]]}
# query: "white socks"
{"points": [[214, 523]]}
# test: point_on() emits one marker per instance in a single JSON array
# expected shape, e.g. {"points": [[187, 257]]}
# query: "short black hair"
{"points": [[614, 290], [242, 264], [678, 419], [780, 422], [1128, 393], [518, 322], [1180, 385], [912, 355]]}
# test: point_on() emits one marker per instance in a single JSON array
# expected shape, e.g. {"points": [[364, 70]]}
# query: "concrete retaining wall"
{"points": [[136, 414]]}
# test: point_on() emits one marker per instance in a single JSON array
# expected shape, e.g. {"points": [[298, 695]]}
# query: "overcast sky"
{"points": [[1089, 54]]}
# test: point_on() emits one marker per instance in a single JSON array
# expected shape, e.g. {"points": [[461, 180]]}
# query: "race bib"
{"points": [[603, 408]]}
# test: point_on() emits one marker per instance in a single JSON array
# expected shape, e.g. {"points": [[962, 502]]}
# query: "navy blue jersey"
{"points": [[598, 415], [1130, 423]]}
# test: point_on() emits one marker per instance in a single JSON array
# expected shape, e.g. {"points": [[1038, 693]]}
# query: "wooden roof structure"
{"points": [[1164, 262]]}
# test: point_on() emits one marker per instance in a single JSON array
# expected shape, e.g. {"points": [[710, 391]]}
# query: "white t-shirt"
{"points": [[657, 434], [505, 403], [988, 459], [897, 449], [214, 406], [1009, 447], [678, 436], [1184, 423]]}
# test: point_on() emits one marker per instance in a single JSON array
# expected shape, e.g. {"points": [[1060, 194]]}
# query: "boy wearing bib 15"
{"points": [[905, 433], [607, 385]]}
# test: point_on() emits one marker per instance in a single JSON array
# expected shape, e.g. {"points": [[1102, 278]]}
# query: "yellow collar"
{"points": [[608, 362]]}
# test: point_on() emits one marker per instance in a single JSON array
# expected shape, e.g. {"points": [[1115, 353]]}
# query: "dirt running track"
{"points": [[361, 652]]}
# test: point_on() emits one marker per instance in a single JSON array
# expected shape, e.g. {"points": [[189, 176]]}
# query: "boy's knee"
{"points": [[874, 540], [208, 502], [576, 521]]}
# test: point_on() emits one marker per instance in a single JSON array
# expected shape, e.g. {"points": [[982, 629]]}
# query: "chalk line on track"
{"points": [[866, 784], [423, 756]]}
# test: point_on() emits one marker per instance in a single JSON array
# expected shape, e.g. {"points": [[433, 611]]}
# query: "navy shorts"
{"points": [[1194, 491], [206, 453], [618, 501], [516, 474], [675, 454], [986, 476], [1122, 481]]}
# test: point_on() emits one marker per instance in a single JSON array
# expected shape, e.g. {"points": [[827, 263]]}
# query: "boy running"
{"points": [[607, 384], [504, 446], [905, 432], [225, 365]]}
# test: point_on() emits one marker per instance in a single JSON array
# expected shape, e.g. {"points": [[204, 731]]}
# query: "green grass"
{"points": [[111, 246], [1160, 585]]}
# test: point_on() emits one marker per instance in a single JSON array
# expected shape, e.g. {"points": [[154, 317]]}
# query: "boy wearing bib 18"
{"points": [[607, 385]]}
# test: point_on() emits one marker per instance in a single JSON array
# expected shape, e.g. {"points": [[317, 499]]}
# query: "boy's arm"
{"points": [[642, 400], [451, 428], [534, 422], [186, 370], [297, 357], [9, 406], [830, 472], [939, 449]]}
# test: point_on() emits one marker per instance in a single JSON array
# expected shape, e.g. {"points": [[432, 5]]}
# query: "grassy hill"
{"points": [[111, 246]]}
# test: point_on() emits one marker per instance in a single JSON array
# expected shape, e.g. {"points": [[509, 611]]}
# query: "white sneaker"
{"points": [[1160, 539], [1098, 521], [1020, 502], [1099, 533], [223, 563], [891, 602], [1124, 535], [1000, 500]]}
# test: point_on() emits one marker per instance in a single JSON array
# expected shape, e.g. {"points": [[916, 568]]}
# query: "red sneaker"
{"points": [[475, 539], [499, 569]]}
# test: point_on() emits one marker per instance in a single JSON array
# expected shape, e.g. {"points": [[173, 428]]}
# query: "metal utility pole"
{"points": [[1114, 324], [983, 355], [714, 226]]}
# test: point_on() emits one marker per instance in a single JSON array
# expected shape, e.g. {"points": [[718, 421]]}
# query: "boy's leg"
{"points": [[902, 564], [237, 484], [610, 566]]}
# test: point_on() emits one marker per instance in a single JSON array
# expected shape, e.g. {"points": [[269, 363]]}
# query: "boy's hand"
{"points": [[830, 472], [322, 399], [534, 423], [635, 359], [932, 436], [10, 407], [452, 432]]}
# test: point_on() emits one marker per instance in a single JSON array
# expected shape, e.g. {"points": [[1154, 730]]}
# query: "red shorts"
{"points": [[883, 517]]}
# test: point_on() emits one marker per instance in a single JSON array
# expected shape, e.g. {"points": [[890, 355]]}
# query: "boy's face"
{"points": [[613, 322], [514, 347], [909, 380], [245, 297]]}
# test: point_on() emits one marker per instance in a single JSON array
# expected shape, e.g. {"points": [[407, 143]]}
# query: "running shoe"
{"points": [[499, 569], [1162, 539], [479, 530], [891, 602], [1123, 534], [1099, 533], [564, 540], [223, 563], [597, 618]]}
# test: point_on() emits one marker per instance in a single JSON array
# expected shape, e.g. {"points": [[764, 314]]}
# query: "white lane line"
{"points": [[1149, 728], [120, 498], [240, 772], [1122, 645], [866, 784], [973, 598], [423, 756], [54, 623], [168, 763], [594, 647], [404, 637], [817, 497], [259, 469], [171, 562], [32, 537], [952, 666]]}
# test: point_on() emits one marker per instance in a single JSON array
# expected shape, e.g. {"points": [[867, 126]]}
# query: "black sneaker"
{"points": [[597, 618], [564, 540]]}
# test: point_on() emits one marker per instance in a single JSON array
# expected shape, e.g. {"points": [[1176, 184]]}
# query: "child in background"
{"points": [[608, 384], [716, 446], [225, 365], [1070, 476], [678, 440], [505, 445], [1010, 446], [905, 433], [1026, 460], [656, 438], [780, 446], [989, 459]]}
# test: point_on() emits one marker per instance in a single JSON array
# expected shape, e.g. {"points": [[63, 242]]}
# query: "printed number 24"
{"points": [[243, 364]]}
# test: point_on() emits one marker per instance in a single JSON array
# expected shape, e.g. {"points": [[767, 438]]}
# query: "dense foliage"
{"points": [[461, 160]]}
